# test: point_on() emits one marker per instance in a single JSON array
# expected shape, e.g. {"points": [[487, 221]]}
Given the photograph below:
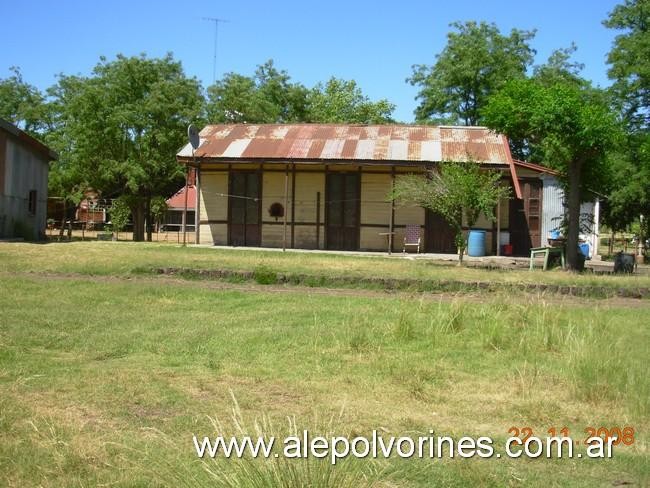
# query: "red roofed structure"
{"points": [[326, 186]]}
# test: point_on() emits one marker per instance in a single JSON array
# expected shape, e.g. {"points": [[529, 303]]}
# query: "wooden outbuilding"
{"points": [[325, 186], [24, 167]]}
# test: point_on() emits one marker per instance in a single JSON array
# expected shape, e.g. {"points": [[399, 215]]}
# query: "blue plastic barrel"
{"points": [[476, 243], [584, 249]]}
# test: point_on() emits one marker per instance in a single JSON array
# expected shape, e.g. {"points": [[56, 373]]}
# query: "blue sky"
{"points": [[372, 42]]}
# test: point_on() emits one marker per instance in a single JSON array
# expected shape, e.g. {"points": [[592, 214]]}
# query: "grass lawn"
{"points": [[105, 375], [128, 258]]}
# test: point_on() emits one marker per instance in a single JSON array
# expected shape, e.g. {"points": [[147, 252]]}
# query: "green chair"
{"points": [[547, 252]]}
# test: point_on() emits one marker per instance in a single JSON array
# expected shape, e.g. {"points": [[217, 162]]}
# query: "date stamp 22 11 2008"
{"points": [[619, 435]]}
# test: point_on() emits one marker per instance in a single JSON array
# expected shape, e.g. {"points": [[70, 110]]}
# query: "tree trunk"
{"points": [[65, 211], [138, 221], [460, 245], [574, 215], [611, 243], [70, 229], [148, 218]]}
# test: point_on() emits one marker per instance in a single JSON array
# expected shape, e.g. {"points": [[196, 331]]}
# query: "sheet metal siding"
{"points": [[552, 207], [350, 142], [25, 169]]}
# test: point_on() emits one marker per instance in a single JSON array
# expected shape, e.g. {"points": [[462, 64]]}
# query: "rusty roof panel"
{"points": [[349, 148], [332, 149], [316, 149], [213, 145], [414, 151], [342, 142], [381, 148], [300, 148], [260, 148]]}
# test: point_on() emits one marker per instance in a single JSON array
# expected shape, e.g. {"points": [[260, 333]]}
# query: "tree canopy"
{"points": [[477, 60], [565, 126], [120, 128], [269, 96], [342, 101], [21, 103], [629, 62]]}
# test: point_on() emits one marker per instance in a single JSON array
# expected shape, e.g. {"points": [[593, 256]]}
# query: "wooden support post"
{"points": [[391, 221], [187, 173], [286, 202], [293, 204], [499, 227], [197, 208], [317, 220]]}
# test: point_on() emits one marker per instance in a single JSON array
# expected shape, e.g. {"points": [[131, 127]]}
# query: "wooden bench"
{"points": [[547, 252]]}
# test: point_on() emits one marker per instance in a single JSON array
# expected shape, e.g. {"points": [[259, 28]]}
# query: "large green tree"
{"points": [[342, 101], [477, 60], [269, 96], [629, 69], [567, 126], [22, 104], [629, 60], [119, 129]]}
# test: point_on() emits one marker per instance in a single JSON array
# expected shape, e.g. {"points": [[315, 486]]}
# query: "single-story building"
{"points": [[176, 206], [24, 166], [325, 186]]}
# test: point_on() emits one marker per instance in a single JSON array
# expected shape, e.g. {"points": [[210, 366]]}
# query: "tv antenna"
{"points": [[216, 32]]}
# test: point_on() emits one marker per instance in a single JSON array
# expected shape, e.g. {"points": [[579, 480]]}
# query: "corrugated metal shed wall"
{"points": [[553, 208]]}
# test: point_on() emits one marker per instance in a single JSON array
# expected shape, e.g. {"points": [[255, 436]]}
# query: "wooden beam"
{"points": [[391, 221], [293, 204], [286, 198], [197, 207], [498, 244], [317, 220], [187, 173]]}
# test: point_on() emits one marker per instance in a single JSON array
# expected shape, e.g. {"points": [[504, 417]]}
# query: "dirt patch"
{"points": [[476, 296], [269, 277]]}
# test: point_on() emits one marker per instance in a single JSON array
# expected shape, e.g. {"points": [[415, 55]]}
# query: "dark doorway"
{"points": [[525, 218], [439, 235], [244, 208], [342, 191]]}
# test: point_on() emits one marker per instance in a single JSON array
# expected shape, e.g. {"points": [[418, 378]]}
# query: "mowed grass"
{"points": [[125, 258], [103, 380]]}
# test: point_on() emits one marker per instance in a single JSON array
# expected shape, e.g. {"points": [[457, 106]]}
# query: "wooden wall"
{"points": [[213, 228], [305, 182]]}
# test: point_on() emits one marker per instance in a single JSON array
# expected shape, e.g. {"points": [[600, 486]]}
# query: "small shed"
{"points": [[176, 207], [24, 165]]}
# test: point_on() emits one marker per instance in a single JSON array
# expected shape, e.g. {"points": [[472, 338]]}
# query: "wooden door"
{"points": [[244, 208], [439, 235], [526, 218], [342, 195]]}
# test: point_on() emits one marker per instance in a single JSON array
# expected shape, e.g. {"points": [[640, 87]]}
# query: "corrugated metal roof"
{"points": [[177, 200], [338, 142]]}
